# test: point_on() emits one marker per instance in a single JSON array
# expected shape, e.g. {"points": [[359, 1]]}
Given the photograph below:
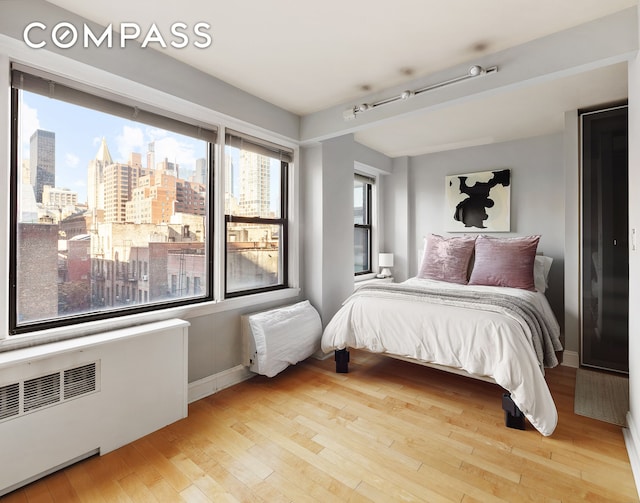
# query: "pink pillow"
{"points": [[505, 262], [447, 259]]}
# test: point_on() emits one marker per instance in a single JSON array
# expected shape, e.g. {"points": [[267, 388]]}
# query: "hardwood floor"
{"points": [[387, 431]]}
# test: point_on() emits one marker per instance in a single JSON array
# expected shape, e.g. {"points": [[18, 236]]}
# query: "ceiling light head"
{"points": [[364, 107], [349, 114], [475, 70], [407, 94]]}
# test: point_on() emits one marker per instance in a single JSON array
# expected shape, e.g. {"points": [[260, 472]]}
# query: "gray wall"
{"points": [[537, 198], [326, 195], [397, 237]]}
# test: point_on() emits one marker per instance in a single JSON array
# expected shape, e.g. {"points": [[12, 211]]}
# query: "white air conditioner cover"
{"points": [[284, 336]]}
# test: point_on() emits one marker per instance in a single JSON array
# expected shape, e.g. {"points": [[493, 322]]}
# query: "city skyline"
{"points": [[79, 132]]}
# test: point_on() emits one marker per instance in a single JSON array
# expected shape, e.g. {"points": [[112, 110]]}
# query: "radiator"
{"points": [[65, 401], [280, 337]]}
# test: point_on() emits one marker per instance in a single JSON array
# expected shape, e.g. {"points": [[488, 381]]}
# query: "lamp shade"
{"points": [[385, 260]]}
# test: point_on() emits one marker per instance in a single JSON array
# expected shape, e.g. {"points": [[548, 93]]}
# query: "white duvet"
{"points": [[483, 342]]}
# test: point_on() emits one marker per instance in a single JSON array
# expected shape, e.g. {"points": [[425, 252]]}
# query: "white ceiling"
{"points": [[309, 56]]}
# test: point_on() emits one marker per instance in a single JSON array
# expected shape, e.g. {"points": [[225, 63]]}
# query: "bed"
{"points": [[479, 324]]}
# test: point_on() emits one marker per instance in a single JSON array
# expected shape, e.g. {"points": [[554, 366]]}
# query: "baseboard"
{"points": [[631, 440], [217, 382], [571, 359]]}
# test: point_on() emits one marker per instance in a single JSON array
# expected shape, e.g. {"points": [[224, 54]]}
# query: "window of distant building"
{"points": [[256, 221], [362, 218], [110, 206]]}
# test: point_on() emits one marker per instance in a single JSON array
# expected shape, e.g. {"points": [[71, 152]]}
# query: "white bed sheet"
{"points": [[481, 342]]}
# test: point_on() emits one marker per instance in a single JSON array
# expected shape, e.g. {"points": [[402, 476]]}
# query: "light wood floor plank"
{"points": [[60, 488], [387, 431], [214, 490], [137, 490]]}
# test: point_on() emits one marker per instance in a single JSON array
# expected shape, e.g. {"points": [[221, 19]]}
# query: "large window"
{"points": [[255, 192], [110, 206], [362, 217]]}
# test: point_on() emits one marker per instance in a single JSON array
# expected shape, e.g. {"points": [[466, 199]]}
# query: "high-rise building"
{"points": [[42, 161], [151, 155], [95, 178], [190, 198], [255, 192], [170, 168], [159, 196], [153, 199], [58, 198], [230, 197], [135, 159], [200, 175], [120, 180]]}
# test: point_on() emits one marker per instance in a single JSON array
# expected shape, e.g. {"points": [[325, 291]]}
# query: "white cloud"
{"points": [[166, 145], [156, 133], [131, 140], [175, 151]]}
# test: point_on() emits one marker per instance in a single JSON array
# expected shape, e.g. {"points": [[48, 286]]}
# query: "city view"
{"points": [[113, 213]]}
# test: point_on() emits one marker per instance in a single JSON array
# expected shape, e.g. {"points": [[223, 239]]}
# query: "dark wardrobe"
{"points": [[605, 247]]}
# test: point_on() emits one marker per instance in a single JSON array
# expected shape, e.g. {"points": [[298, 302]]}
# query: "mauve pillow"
{"points": [[447, 259], [505, 262]]}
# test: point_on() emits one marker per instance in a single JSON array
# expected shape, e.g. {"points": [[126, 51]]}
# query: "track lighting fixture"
{"points": [[474, 71]]}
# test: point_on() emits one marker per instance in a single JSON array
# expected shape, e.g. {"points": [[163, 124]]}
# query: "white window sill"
{"points": [[364, 277], [118, 322]]}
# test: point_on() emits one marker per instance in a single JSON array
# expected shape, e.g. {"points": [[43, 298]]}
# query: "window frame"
{"points": [[269, 149], [146, 115], [368, 182], [206, 111]]}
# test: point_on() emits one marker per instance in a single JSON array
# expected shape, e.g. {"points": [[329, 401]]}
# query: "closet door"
{"points": [[605, 251]]}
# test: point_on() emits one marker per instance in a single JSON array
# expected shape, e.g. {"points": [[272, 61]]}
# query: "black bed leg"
{"points": [[342, 361], [513, 416]]}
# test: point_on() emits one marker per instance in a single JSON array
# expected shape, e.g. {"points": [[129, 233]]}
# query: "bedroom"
{"points": [[412, 198]]}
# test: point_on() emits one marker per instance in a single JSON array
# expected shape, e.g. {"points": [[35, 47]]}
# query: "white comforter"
{"points": [[485, 341]]}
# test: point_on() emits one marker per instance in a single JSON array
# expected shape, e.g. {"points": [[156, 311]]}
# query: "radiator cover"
{"points": [[280, 337], [64, 401]]}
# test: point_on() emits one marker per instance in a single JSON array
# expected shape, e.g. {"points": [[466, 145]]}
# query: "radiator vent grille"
{"points": [[41, 391], [30, 395], [9, 401], [79, 381]]}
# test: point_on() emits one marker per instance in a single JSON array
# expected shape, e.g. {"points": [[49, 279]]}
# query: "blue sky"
{"points": [[79, 132]]}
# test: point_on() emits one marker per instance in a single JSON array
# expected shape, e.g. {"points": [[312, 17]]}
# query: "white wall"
{"points": [[397, 236], [633, 439], [327, 206], [537, 198], [572, 210]]}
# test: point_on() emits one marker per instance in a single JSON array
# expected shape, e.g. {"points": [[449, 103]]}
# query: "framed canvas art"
{"points": [[479, 201]]}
